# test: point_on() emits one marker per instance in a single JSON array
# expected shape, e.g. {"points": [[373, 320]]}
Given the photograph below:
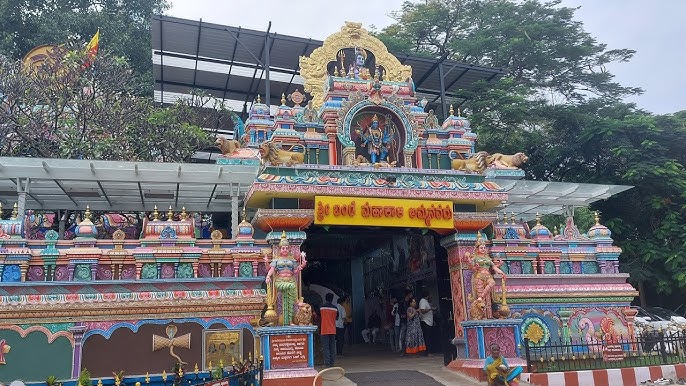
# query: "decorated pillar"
{"points": [[288, 353], [77, 332], [458, 245]]}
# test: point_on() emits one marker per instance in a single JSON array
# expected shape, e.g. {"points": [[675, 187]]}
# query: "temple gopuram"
{"points": [[351, 173]]}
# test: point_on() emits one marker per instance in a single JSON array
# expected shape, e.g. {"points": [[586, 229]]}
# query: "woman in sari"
{"points": [[414, 341], [498, 371]]}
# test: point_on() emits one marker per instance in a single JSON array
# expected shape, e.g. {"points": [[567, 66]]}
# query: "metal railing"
{"points": [[250, 375], [649, 349]]}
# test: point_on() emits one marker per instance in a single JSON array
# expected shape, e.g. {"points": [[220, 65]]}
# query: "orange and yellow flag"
{"points": [[92, 48]]}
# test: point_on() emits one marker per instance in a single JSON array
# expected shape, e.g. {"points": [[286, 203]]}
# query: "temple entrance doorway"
{"points": [[372, 265]]}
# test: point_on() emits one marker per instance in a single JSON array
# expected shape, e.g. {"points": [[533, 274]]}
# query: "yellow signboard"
{"points": [[383, 212]]}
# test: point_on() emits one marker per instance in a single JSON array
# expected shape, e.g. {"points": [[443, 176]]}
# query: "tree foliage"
{"points": [[124, 27], [561, 106], [65, 109]]}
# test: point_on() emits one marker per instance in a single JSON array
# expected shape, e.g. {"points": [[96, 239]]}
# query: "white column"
{"points": [[22, 191], [235, 215]]}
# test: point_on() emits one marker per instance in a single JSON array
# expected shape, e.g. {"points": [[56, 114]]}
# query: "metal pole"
{"points": [[267, 88], [444, 105]]}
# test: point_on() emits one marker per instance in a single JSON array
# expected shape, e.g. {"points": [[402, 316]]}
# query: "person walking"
{"points": [[328, 315], [340, 327], [426, 316]]}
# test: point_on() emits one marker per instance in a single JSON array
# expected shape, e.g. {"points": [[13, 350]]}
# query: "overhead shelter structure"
{"points": [[236, 65], [119, 186], [53, 184]]}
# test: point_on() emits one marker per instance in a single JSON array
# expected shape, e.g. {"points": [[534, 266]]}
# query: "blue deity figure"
{"points": [[376, 140]]}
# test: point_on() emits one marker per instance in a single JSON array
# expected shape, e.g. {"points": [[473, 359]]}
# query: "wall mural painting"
{"points": [[222, 346], [51, 356], [413, 256], [596, 324], [540, 326]]}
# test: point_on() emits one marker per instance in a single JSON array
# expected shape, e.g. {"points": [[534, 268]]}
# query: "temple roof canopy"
{"points": [[228, 62], [139, 186], [123, 186], [527, 197]]}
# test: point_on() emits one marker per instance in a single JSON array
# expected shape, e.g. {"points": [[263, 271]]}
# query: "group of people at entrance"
{"points": [[413, 325]]}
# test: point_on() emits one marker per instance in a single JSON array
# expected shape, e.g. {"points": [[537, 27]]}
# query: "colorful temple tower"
{"points": [[362, 152]]}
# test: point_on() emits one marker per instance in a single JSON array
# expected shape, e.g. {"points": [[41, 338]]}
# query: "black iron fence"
{"points": [[649, 349], [250, 375]]}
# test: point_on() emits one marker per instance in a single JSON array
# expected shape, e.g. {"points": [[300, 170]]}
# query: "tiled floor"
{"points": [[389, 368]]}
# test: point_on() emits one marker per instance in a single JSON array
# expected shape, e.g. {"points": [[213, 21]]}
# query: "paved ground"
{"points": [[392, 377], [378, 366]]}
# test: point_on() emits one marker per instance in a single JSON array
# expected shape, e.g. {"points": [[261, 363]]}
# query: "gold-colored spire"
{"points": [[284, 241], [184, 215], [0, 210], [259, 100], [87, 216], [155, 214], [555, 231], [15, 212], [196, 370], [452, 110], [170, 214], [283, 99], [597, 217], [538, 218], [245, 216], [459, 112]]}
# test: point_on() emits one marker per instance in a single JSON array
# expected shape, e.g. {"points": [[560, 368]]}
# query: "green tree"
{"points": [[124, 27], [65, 109], [561, 106]]}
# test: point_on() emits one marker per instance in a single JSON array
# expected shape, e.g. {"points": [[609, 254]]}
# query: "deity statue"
{"points": [[376, 140], [482, 281], [281, 280], [358, 70]]}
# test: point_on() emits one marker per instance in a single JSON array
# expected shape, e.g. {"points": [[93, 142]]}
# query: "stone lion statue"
{"points": [[505, 161], [276, 156], [477, 311], [303, 317], [227, 146], [476, 164]]}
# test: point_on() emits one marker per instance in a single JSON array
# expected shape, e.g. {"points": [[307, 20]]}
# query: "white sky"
{"points": [[656, 30]]}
